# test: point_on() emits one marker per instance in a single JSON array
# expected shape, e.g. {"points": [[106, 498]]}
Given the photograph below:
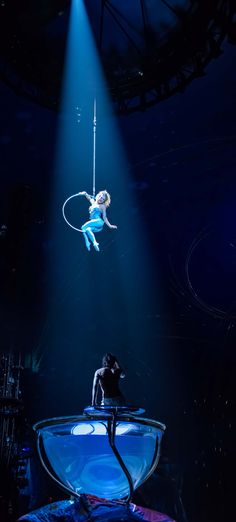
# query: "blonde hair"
{"points": [[107, 202]]}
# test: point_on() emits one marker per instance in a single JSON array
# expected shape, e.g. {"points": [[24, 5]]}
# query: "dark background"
{"points": [[166, 306]]}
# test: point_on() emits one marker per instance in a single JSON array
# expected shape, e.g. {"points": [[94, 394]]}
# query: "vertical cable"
{"points": [[94, 144]]}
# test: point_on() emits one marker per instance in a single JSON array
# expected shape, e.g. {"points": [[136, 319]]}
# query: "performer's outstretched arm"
{"points": [[104, 217], [88, 197]]}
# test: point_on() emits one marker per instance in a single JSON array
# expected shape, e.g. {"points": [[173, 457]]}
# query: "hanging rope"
{"points": [[94, 170], [94, 145]]}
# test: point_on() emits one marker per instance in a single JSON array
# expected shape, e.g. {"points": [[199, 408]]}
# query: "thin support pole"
{"points": [[94, 145]]}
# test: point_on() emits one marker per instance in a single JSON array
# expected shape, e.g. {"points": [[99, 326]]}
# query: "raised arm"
{"points": [[95, 388], [88, 197], [116, 365], [104, 217]]}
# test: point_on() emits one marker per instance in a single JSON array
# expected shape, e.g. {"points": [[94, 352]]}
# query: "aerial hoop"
{"points": [[63, 212]]}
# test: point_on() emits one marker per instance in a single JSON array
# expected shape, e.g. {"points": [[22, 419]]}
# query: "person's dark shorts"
{"points": [[113, 401]]}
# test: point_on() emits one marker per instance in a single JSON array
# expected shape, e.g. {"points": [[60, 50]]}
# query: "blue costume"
{"points": [[95, 224]]}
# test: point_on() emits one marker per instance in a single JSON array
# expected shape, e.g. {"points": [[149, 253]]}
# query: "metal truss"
{"points": [[154, 63]]}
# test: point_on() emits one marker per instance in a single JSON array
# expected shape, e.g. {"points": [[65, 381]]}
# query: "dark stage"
{"points": [[160, 292]]}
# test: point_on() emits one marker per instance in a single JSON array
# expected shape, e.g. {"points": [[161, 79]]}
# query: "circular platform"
{"points": [[111, 410]]}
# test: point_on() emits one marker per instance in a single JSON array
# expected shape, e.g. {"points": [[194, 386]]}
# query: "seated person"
{"points": [[107, 379]]}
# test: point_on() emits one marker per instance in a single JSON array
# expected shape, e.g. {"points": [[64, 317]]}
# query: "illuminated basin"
{"points": [[101, 454]]}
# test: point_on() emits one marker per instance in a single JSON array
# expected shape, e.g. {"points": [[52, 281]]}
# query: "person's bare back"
{"points": [[107, 379]]}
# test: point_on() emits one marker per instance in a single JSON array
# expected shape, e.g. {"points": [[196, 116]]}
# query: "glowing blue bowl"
{"points": [[77, 453]]}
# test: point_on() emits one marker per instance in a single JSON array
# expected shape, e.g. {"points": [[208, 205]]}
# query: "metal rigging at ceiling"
{"points": [[149, 50]]}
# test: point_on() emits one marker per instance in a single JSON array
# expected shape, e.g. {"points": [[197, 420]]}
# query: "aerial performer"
{"points": [[97, 211], [98, 204], [107, 379]]}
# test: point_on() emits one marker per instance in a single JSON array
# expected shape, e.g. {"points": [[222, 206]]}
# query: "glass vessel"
{"points": [[104, 453]]}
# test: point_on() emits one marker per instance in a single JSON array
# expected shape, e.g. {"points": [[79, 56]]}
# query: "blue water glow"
{"points": [[83, 460]]}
